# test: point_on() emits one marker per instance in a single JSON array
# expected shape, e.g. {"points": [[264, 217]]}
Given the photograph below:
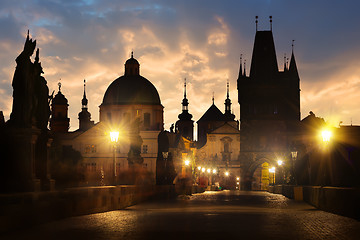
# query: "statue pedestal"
{"points": [[25, 160], [19, 161]]}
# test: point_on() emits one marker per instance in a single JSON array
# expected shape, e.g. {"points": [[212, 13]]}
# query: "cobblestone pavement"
{"points": [[210, 215]]}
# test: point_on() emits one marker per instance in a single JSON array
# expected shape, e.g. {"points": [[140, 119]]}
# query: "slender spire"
{"points": [[270, 23], [28, 37], [185, 115], [240, 69], [227, 89], [84, 101], [256, 22], [59, 84], [185, 102], [245, 67], [292, 66], [132, 54], [213, 98], [185, 88], [227, 100], [285, 65]]}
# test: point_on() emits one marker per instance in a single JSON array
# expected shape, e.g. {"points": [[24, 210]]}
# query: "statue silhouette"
{"points": [[30, 92]]}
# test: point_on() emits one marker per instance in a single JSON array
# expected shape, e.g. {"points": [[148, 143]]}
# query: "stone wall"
{"points": [[27, 209], [342, 201]]}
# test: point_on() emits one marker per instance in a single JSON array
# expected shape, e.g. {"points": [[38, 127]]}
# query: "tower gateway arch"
{"points": [[269, 101]]}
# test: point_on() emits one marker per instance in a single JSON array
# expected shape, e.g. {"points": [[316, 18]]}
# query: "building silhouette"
{"points": [[269, 108]]}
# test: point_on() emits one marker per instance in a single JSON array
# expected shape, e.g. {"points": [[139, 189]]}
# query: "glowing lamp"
{"points": [[114, 136]]}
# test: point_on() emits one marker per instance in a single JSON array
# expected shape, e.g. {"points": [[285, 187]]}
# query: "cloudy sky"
{"points": [[200, 40]]}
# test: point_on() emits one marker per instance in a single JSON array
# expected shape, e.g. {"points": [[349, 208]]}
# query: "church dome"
{"points": [[131, 88], [132, 60]]}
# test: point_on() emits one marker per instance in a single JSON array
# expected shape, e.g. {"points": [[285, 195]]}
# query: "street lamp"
{"points": [[272, 170], [114, 136], [187, 162], [326, 135], [280, 163]]}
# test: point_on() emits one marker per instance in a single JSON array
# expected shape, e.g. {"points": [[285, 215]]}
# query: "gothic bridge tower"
{"points": [[269, 107]]}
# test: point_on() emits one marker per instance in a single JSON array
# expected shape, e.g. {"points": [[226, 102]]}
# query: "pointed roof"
{"points": [[212, 114], [293, 68], [240, 70], [263, 63]]}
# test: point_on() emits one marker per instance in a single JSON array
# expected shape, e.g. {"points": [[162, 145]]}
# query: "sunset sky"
{"points": [[197, 40]]}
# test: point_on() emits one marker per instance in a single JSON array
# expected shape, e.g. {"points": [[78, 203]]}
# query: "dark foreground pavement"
{"points": [[210, 215]]}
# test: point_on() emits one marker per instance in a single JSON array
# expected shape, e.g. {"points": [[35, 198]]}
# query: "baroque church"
{"points": [[130, 102]]}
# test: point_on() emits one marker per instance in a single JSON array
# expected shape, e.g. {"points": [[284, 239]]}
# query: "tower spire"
{"points": [[292, 66], [228, 113], [256, 22], [270, 23], [227, 89], [285, 65], [245, 68], [84, 101], [240, 69], [185, 102], [185, 88], [213, 98]]}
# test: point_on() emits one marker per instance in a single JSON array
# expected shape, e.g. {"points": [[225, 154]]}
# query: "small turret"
{"points": [[229, 116], [84, 116], [132, 66], [59, 121], [185, 125]]}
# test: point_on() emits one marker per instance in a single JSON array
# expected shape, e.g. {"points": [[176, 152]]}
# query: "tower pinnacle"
{"points": [[84, 101]]}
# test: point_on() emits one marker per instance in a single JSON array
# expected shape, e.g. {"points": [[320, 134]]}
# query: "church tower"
{"points": [[269, 106], [185, 125], [84, 116], [59, 121], [228, 115]]}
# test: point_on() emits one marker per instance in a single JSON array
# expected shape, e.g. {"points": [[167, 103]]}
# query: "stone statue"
{"points": [[41, 93], [30, 92], [134, 155], [23, 88]]}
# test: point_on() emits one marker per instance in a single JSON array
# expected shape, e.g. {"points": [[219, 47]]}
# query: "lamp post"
{"points": [[280, 164], [293, 177], [326, 137], [272, 170], [165, 157], [114, 136]]}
